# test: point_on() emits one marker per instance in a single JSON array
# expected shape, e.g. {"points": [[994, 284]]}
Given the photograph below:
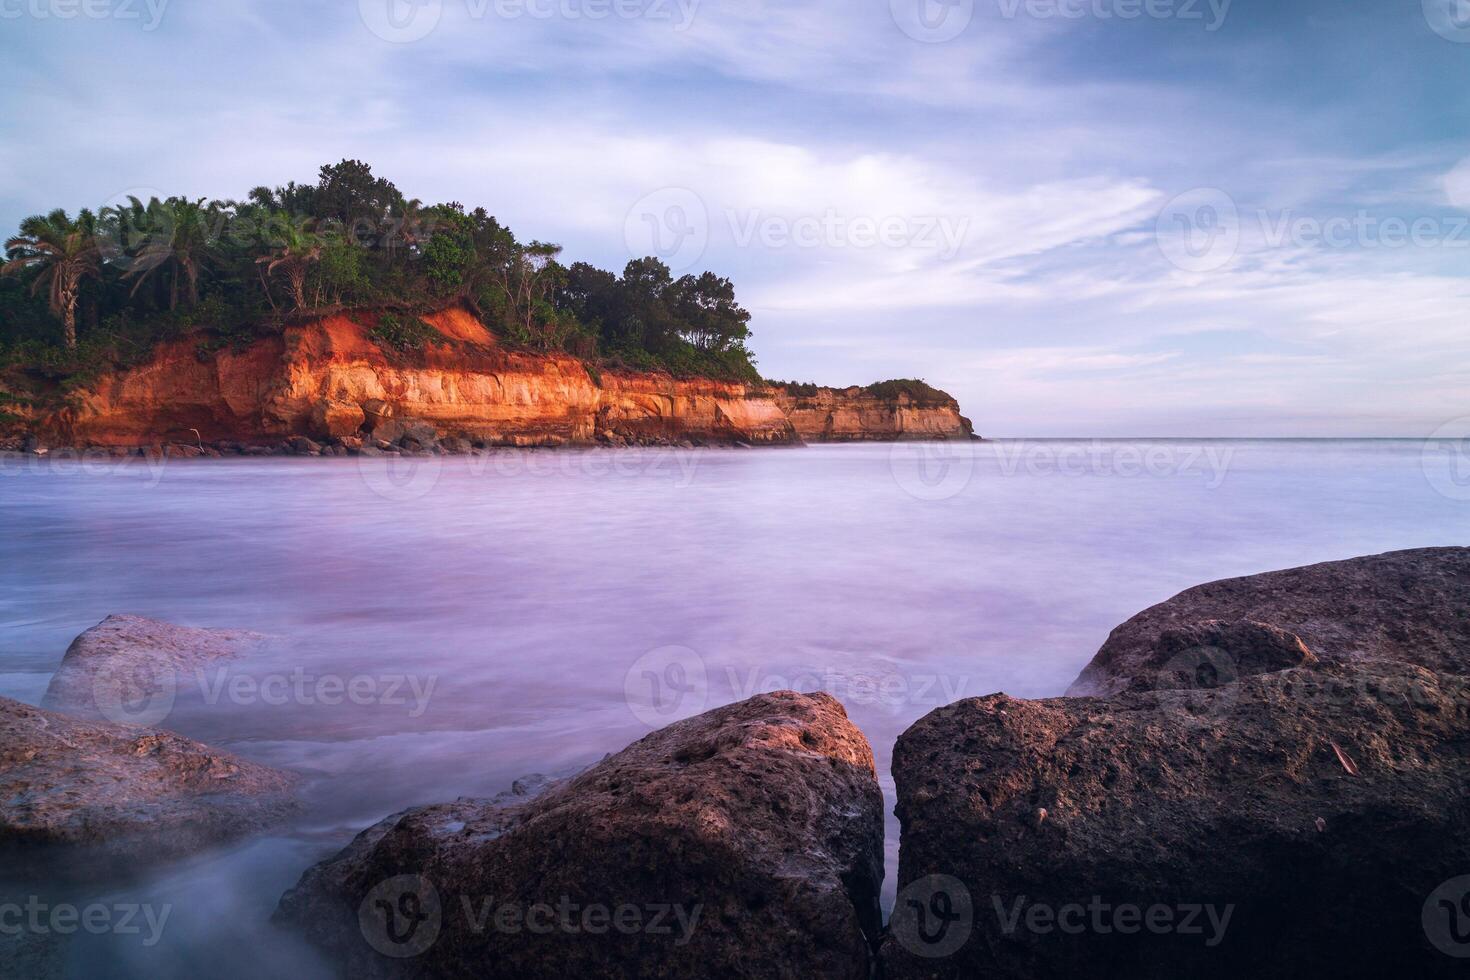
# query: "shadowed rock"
{"points": [[744, 842], [1300, 820], [1214, 652], [1407, 606], [126, 667], [105, 797]]}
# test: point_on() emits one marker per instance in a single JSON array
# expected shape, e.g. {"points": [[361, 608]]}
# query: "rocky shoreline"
{"points": [[1270, 778]]}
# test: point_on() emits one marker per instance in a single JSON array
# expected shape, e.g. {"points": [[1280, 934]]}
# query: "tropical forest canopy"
{"points": [[82, 291]]}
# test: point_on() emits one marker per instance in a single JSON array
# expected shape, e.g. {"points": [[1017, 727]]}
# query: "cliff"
{"points": [[888, 411], [328, 378]]}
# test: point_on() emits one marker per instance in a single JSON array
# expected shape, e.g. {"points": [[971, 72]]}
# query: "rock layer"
{"points": [[328, 378], [1406, 606], [1291, 824], [753, 832], [99, 796], [857, 415]]}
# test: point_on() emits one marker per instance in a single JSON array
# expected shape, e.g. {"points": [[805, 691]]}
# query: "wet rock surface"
{"points": [[1289, 824], [125, 668], [101, 797], [744, 842], [1406, 606]]}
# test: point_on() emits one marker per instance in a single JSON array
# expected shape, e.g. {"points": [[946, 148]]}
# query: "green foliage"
{"points": [[145, 272], [404, 332], [449, 255], [799, 389], [922, 394]]}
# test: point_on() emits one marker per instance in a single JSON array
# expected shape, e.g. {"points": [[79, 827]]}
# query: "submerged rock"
{"points": [[1289, 824], [744, 842], [127, 669], [102, 797], [1407, 606]]}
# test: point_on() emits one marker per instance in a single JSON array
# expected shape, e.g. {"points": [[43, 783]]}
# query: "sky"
{"points": [[1080, 217]]}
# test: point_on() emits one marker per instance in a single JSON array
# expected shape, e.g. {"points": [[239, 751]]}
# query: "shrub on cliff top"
{"points": [[404, 332], [918, 391]]}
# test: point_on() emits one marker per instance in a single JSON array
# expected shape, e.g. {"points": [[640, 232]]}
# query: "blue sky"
{"points": [[1082, 217]]}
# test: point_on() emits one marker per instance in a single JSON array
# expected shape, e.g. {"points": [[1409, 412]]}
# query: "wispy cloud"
{"points": [[1040, 151]]}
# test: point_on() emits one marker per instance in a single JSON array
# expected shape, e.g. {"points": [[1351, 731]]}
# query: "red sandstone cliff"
{"points": [[859, 414], [328, 378]]}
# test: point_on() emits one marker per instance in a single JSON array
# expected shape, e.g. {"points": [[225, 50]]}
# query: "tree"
{"points": [[448, 252], [63, 253], [177, 235], [529, 280], [706, 313], [348, 193], [298, 248]]}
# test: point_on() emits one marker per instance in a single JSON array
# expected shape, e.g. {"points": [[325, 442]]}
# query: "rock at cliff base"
{"points": [[1407, 606], [744, 842], [100, 797], [128, 668], [403, 431], [1291, 824], [333, 419]]}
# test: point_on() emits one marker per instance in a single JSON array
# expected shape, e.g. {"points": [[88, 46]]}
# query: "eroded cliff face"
{"points": [[327, 378], [855, 414]]}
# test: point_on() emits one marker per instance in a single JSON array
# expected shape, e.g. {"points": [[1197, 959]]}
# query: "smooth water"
{"points": [[531, 611]]}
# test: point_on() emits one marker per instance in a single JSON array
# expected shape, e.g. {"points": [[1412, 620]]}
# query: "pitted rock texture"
{"points": [[124, 658], [102, 797], [1406, 606], [754, 831], [1315, 811]]}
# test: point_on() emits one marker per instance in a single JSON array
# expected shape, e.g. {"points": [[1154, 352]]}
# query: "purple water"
{"points": [[532, 611]]}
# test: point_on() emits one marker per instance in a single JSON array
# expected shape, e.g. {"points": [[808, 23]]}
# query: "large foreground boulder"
{"points": [[103, 797], [1407, 606], [744, 842], [128, 668], [1308, 822]]}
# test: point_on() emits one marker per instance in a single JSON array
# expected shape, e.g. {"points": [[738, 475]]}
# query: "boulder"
{"points": [[1308, 822], [128, 668], [401, 431], [1213, 652], [98, 797], [744, 842], [302, 446], [375, 409], [1407, 606], [332, 419]]}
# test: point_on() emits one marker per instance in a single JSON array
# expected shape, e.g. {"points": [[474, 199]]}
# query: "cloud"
{"points": [[1023, 164]]}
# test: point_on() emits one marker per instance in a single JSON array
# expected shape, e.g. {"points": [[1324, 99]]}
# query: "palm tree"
{"points": [[177, 234], [65, 252], [297, 249]]}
